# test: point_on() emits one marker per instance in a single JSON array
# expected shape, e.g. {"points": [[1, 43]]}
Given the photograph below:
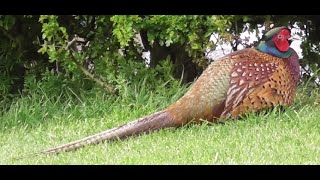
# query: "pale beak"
{"points": [[294, 38]]}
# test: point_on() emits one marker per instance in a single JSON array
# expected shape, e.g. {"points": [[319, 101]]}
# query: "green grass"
{"points": [[37, 122]]}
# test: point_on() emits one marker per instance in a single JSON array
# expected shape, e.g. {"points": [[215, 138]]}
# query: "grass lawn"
{"points": [[33, 124]]}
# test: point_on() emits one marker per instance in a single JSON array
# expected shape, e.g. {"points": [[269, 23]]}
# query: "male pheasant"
{"points": [[247, 80]]}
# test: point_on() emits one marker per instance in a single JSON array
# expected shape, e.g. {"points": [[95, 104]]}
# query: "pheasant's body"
{"points": [[244, 81]]}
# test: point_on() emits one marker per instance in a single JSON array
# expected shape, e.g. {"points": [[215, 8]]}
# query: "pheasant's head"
{"points": [[277, 42]]}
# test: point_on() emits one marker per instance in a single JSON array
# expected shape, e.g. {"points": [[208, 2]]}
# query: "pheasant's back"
{"points": [[246, 80], [206, 96]]}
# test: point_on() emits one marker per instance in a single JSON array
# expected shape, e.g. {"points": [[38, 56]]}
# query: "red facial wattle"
{"points": [[282, 43]]}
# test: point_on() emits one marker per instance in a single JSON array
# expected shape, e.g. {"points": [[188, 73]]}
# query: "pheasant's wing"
{"points": [[279, 89], [248, 73]]}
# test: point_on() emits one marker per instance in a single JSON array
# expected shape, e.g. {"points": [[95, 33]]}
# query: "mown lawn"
{"points": [[277, 137]]}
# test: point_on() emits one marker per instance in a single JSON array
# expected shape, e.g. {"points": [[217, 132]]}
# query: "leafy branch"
{"points": [[57, 46], [85, 71]]}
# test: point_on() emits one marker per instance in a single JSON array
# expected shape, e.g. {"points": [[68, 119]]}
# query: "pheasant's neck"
{"points": [[294, 65], [293, 59], [267, 48]]}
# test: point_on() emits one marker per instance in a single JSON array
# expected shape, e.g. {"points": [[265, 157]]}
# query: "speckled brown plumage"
{"points": [[244, 81], [259, 81]]}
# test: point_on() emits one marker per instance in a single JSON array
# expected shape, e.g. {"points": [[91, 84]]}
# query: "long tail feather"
{"points": [[153, 122]]}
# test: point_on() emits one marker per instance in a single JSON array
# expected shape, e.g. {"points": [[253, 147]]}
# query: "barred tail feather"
{"points": [[158, 120]]}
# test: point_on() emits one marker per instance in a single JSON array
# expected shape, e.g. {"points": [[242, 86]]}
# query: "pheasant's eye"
{"points": [[280, 36]]}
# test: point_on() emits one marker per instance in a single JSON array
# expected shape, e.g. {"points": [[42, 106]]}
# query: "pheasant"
{"points": [[248, 80]]}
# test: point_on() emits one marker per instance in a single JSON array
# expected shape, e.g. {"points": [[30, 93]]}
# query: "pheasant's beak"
{"points": [[291, 38], [294, 38]]}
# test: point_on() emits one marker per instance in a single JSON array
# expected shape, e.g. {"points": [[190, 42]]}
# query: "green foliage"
{"points": [[60, 93], [123, 28], [55, 41], [16, 49], [7, 22], [7, 53], [191, 32], [36, 55]]}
